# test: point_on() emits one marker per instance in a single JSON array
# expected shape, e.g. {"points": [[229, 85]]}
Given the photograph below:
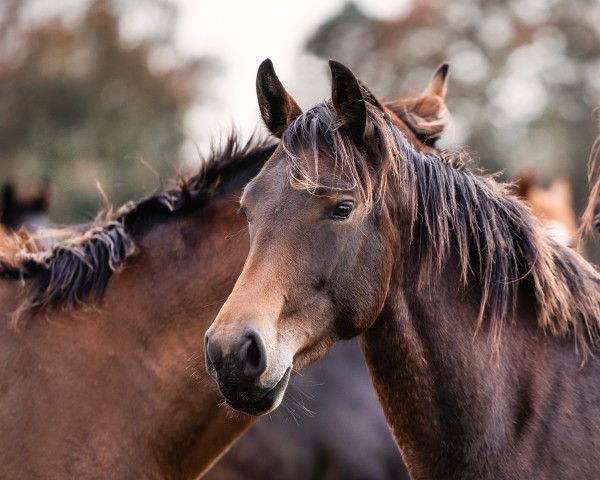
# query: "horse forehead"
{"points": [[270, 184]]}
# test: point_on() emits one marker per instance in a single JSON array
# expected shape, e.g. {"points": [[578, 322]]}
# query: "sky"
{"points": [[241, 34]]}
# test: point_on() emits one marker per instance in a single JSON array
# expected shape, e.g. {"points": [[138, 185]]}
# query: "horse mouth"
{"points": [[267, 402]]}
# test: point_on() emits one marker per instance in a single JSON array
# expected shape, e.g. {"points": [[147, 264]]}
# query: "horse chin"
{"points": [[267, 402]]}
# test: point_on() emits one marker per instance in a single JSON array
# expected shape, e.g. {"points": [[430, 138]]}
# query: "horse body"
{"points": [[109, 393], [479, 331], [459, 409]]}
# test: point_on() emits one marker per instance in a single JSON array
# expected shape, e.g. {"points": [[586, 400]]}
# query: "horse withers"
{"points": [[478, 330]]}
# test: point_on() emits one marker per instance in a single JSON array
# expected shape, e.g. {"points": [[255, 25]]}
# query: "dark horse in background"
{"points": [[480, 333], [28, 209]]}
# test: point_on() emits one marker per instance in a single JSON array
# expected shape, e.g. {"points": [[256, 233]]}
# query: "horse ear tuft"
{"points": [[277, 108], [347, 99]]}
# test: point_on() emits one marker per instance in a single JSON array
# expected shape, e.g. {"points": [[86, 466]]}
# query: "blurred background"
{"points": [[87, 87]]}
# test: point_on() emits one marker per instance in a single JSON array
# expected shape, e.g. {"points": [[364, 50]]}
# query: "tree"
{"points": [[77, 101], [524, 74]]}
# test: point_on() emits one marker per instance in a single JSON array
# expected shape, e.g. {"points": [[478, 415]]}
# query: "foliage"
{"points": [[524, 73], [78, 101]]}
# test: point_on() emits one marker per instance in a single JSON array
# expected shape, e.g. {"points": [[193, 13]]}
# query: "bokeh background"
{"points": [[87, 87]]}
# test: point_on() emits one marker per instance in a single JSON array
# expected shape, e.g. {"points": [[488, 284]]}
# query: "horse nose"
{"points": [[248, 357], [252, 354], [213, 355]]}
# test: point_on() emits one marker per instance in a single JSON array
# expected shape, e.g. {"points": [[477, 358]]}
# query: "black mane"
{"points": [[454, 208], [71, 267]]}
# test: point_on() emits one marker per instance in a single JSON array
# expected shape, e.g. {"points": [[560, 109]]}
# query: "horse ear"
{"points": [[347, 99], [425, 115], [523, 181], [277, 107], [439, 82]]}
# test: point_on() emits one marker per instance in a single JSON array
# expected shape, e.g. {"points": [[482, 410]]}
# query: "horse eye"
{"points": [[342, 211], [242, 211]]}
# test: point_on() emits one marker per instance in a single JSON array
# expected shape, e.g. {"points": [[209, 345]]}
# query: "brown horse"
{"points": [[477, 328], [97, 366], [553, 206], [325, 444]]}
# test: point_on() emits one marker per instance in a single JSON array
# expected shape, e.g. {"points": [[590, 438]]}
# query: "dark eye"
{"points": [[342, 211], [242, 211]]}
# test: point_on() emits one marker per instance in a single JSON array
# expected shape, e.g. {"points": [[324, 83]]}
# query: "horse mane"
{"points": [[454, 208], [71, 267]]}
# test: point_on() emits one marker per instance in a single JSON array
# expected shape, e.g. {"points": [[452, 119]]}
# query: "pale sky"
{"points": [[241, 34]]}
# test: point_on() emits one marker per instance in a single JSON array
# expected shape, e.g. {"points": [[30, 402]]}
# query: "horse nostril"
{"points": [[214, 356], [252, 354]]}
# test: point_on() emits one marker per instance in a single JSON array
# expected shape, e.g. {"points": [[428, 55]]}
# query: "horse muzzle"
{"points": [[239, 373]]}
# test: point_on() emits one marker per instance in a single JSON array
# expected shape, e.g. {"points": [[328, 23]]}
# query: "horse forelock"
{"points": [[453, 207], [71, 267]]}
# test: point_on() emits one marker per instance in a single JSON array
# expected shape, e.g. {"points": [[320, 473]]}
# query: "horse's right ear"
{"points": [[523, 181], [277, 107]]}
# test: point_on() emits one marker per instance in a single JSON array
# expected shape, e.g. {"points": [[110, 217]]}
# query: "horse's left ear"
{"points": [[347, 99], [562, 188]]}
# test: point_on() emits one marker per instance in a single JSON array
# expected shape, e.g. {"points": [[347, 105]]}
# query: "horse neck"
{"points": [[144, 352], [447, 388], [182, 287]]}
